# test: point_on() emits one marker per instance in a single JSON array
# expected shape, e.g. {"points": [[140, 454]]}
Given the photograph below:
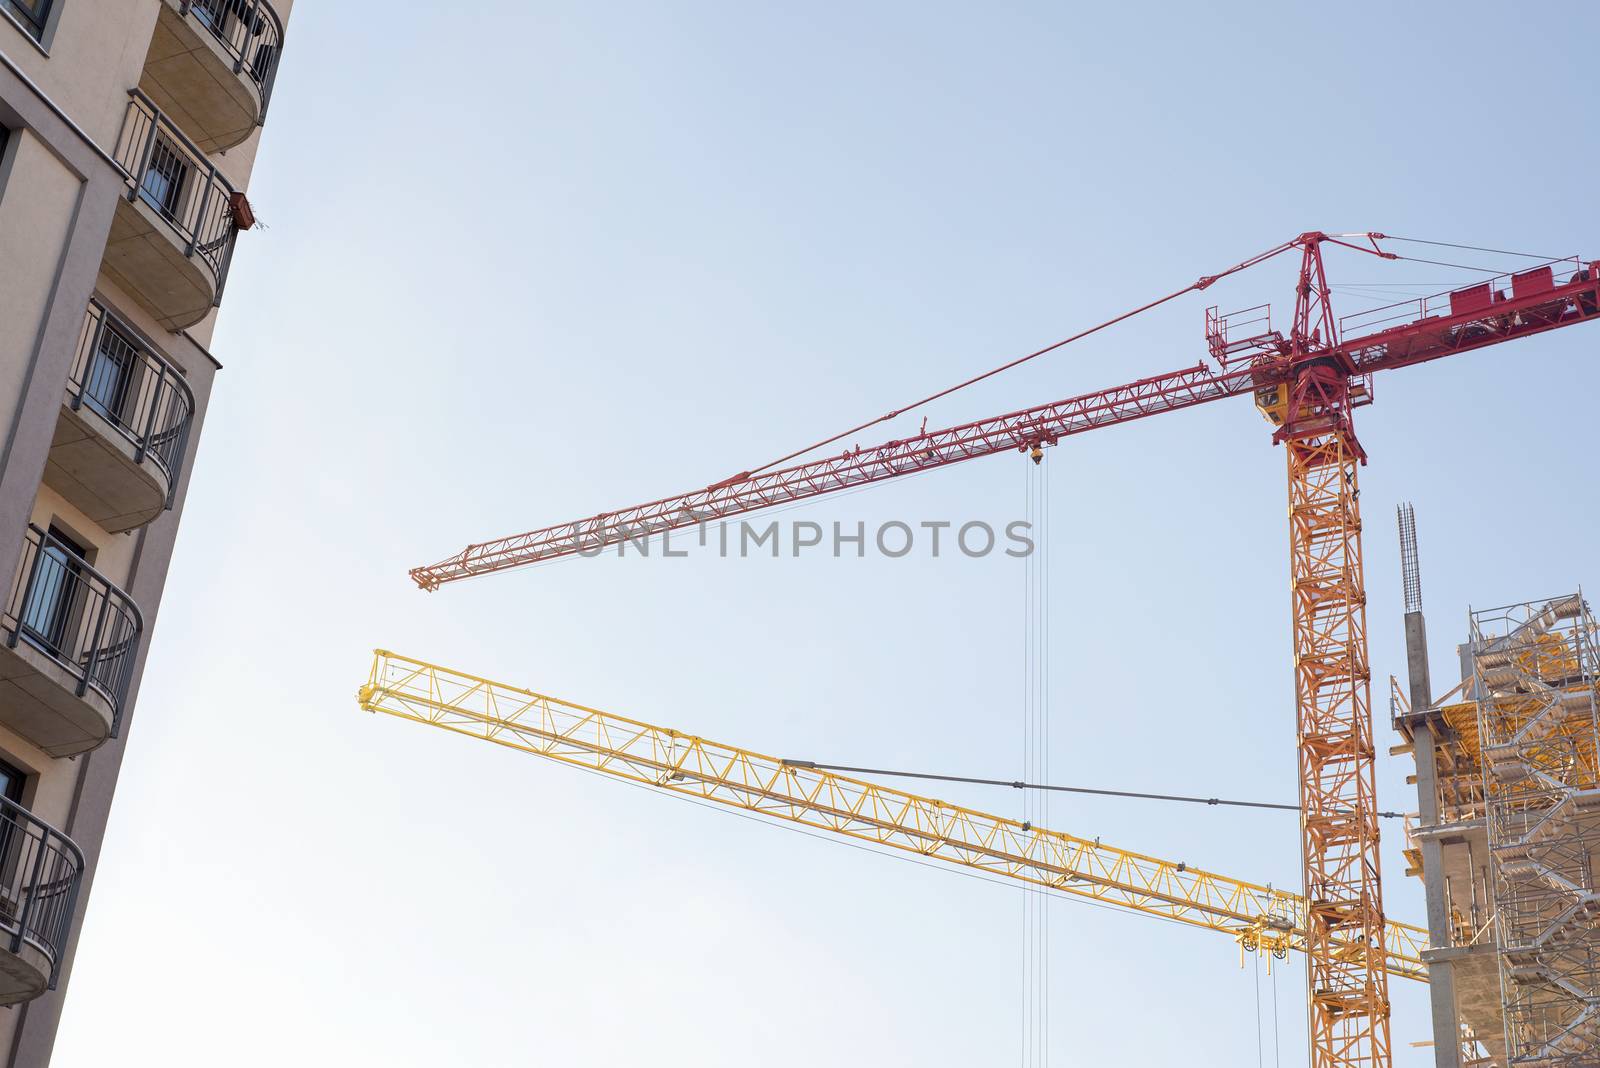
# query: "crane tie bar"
{"points": [[1018, 785]]}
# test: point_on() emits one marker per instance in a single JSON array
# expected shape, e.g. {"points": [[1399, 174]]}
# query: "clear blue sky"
{"points": [[528, 261]]}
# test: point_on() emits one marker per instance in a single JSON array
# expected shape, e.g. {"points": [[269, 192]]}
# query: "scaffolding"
{"points": [[1535, 667]]}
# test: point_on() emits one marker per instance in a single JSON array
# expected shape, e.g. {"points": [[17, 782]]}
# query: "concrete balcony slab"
{"points": [[69, 638], [148, 260], [98, 471], [123, 430], [39, 700], [210, 67]]}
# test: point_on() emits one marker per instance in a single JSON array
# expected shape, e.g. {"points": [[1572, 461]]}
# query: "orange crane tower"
{"points": [[1307, 384]]}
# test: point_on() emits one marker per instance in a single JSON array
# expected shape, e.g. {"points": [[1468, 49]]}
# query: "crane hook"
{"points": [[1037, 454]]}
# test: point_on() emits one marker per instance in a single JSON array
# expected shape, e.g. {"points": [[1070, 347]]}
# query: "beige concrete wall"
{"points": [[95, 52], [111, 554], [185, 356], [38, 202], [49, 793]]}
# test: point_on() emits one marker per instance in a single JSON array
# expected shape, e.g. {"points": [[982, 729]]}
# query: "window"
{"points": [[225, 18], [162, 186], [112, 366], [12, 781], [33, 14], [208, 12], [13, 838], [54, 591], [261, 65]]}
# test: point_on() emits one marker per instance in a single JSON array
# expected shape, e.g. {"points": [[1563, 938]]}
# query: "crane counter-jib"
{"points": [[694, 767]]}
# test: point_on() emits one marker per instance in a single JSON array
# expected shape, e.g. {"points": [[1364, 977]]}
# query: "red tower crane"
{"points": [[1307, 384]]}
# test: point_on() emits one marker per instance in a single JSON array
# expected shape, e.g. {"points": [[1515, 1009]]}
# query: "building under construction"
{"points": [[1507, 829]]}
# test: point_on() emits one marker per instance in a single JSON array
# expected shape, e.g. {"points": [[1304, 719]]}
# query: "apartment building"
{"points": [[128, 130]]}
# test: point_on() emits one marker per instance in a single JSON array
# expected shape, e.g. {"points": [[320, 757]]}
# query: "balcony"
{"points": [[211, 66], [172, 238], [71, 637], [40, 873], [124, 427]]}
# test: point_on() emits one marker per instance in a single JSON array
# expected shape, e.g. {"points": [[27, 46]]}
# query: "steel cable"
{"points": [[1471, 248], [1055, 788]]}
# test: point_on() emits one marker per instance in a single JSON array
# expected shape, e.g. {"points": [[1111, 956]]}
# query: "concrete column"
{"points": [[1441, 973], [26, 441]]}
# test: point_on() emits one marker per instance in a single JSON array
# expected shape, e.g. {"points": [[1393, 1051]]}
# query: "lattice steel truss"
{"points": [[1535, 670], [1348, 986], [1259, 917]]}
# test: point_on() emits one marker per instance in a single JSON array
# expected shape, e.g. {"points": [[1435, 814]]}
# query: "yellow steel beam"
{"points": [[1259, 917]]}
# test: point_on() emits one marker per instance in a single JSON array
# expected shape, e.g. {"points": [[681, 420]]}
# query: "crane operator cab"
{"points": [[1272, 398], [1273, 402]]}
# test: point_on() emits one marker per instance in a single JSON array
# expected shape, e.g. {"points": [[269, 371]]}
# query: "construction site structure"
{"points": [[1259, 917], [1534, 674], [1308, 382], [1508, 830]]}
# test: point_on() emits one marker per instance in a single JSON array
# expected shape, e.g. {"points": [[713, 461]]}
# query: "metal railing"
{"points": [[180, 184], [83, 621], [249, 31], [1478, 296], [131, 387], [40, 872]]}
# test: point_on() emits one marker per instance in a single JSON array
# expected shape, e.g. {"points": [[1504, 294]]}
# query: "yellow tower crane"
{"points": [[1260, 918]]}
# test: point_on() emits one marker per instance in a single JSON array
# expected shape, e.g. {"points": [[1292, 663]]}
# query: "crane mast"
{"points": [[1348, 982], [1260, 917]]}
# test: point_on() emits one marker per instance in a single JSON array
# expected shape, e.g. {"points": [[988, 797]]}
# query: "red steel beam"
{"points": [[1430, 336], [1044, 425]]}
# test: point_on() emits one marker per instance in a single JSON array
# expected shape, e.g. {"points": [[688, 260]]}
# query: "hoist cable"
{"points": [[1045, 707], [1277, 1059], [1261, 1060], [1027, 958]]}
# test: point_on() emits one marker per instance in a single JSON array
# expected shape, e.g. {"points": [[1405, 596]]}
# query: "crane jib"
{"points": [[1016, 431], [1401, 335], [860, 809]]}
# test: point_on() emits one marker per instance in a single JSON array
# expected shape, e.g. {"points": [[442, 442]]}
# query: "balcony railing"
{"points": [[142, 396], [40, 872], [170, 174], [73, 614], [249, 31]]}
